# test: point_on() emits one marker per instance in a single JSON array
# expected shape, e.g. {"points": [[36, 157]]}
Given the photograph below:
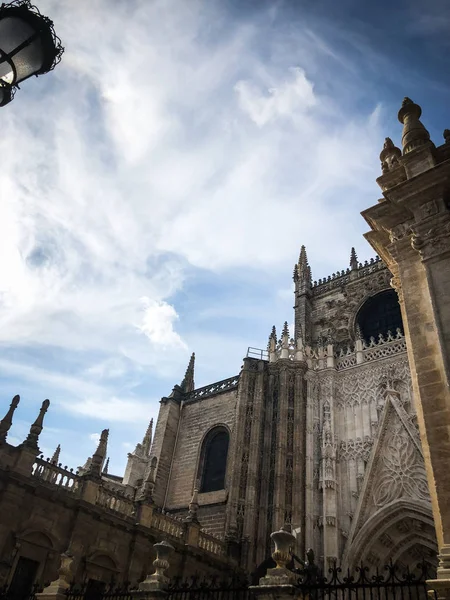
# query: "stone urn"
{"points": [[158, 581], [284, 540]]}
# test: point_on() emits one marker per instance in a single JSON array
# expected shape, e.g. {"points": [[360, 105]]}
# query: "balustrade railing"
{"points": [[211, 544], [215, 388], [55, 474], [383, 347], [115, 501], [168, 524]]}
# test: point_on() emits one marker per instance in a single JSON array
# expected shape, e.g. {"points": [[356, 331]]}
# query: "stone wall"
{"points": [[197, 418], [48, 510]]}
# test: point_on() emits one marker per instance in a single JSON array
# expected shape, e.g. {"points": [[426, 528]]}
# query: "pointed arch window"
{"points": [[379, 314], [213, 463]]}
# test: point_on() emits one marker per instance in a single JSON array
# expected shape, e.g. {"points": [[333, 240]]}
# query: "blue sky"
{"points": [[157, 186]]}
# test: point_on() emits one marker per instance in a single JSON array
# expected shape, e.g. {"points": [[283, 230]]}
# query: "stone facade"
{"points": [[108, 527], [410, 228], [323, 436]]}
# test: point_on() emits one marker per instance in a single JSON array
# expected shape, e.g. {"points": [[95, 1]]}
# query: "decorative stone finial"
{"points": [[389, 156], [353, 259], [414, 133], [447, 136], [285, 332], [6, 422], [99, 455], [55, 458], [158, 581], [187, 385], [193, 504], [272, 345], [36, 428], [146, 491]]}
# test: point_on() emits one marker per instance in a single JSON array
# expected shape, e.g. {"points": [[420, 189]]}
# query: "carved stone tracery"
{"points": [[403, 472]]}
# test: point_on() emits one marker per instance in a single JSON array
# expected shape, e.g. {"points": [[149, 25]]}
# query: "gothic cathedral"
{"points": [[319, 432]]}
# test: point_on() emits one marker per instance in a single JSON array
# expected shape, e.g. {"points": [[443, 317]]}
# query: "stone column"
{"points": [[411, 232], [279, 495], [302, 466]]}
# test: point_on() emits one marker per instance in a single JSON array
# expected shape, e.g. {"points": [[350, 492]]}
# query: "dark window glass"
{"points": [[380, 314], [215, 461]]}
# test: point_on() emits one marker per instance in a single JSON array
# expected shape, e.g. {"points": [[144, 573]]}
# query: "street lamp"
{"points": [[28, 46]]}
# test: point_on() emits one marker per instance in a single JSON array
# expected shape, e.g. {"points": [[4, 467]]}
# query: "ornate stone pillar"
{"points": [[411, 232]]}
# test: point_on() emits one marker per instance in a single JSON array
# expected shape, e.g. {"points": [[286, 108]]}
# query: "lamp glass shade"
{"points": [[24, 45]]}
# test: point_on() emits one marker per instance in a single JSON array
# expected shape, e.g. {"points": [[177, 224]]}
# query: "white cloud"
{"points": [[112, 409], [287, 100], [157, 323], [183, 139], [95, 437]]}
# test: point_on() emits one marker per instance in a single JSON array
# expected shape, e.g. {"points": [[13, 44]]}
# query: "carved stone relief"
{"points": [[403, 472]]}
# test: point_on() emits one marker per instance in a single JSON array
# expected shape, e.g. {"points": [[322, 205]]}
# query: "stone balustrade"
{"points": [[213, 389], [115, 501], [55, 474], [383, 347], [168, 524], [211, 544]]}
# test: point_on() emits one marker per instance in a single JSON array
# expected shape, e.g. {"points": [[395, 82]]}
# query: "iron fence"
{"points": [[209, 589], [389, 583], [97, 590]]}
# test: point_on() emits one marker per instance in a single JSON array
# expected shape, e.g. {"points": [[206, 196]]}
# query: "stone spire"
{"points": [[353, 260], [55, 458], [285, 341], [95, 468], [302, 294], [389, 155], [147, 441], [414, 133], [6, 422], [187, 385], [303, 270], [36, 428]]}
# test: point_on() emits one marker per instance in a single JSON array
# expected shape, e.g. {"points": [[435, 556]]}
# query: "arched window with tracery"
{"points": [[213, 460], [380, 314]]}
